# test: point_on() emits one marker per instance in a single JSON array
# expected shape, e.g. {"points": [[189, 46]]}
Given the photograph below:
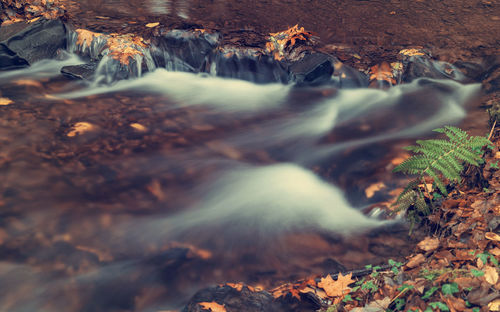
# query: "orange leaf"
{"points": [[5, 101], [336, 288], [212, 306]]}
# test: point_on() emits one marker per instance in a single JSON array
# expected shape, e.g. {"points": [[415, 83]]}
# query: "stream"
{"points": [[133, 194]]}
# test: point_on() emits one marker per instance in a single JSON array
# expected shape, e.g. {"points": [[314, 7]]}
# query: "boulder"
{"points": [[82, 71], [22, 44], [314, 68]]}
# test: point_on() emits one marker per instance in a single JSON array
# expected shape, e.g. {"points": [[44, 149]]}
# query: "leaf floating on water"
{"points": [[5, 101], [151, 25], [28, 82], [213, 306], [80, 128], [138, 127]]}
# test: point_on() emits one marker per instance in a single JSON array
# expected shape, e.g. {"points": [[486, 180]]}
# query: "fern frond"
{"points": [[439, 159]]}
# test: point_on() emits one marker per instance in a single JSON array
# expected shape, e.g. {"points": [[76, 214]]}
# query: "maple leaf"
{"points": [[382, 72], [336, 288], [213, 306], [85, 36]]}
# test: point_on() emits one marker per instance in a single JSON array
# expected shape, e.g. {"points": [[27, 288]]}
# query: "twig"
{"points": [[492, 129]]}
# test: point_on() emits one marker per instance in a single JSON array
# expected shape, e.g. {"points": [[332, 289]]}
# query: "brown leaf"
{"points": [[336, 288], [415, 261], [213, 306], [429, 244], [490, 275]]}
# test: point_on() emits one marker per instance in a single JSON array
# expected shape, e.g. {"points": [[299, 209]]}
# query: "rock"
{"points": [[10, 60], [22, 44], [185, 50], [492, 81], [313, 68], [82, 71], [248, 64], [240, 298], [243, 300]]}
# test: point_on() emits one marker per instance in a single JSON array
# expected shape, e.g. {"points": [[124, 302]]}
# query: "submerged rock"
{"points": [[82, 71], [22, 44]]}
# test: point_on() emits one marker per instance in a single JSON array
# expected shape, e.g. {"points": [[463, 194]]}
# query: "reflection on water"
{"points": [[186, 180]]}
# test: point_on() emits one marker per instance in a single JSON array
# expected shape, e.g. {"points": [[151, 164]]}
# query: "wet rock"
{"points": [[10, 60], [424, 66], [313, 68], [243, 300], [248, 64], [23, 44], [492, 81], [184, 50], [82, 71]]}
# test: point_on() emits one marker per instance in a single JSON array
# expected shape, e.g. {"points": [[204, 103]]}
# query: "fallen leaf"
{"points": [[380, 305], [494, 305], [238, 286], [490, 275], [80, 128], [415, 261], [212, 306], [5, 101], [492, 236], [429, 244], [382, 72], [336, 288], [495, 251], [85, 37], [412, 52], [151, 25]]}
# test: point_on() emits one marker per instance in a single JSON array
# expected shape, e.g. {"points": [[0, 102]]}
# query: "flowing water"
{"points": [[184, 180]]}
